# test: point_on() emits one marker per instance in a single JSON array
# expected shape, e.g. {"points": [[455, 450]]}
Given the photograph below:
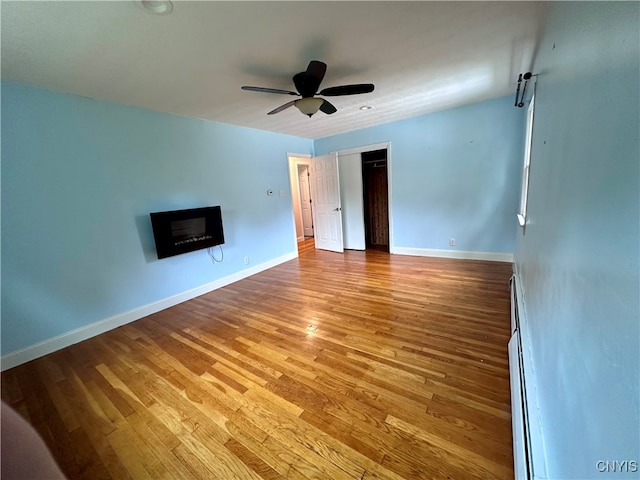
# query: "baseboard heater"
{"points": [[523, 446]]}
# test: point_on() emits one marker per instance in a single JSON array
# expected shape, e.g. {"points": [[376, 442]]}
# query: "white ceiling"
{"points": [[421, 56]]}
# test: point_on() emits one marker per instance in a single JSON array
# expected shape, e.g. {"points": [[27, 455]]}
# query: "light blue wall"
{"points": [[454, 173], [79, 178], [579, 256]]}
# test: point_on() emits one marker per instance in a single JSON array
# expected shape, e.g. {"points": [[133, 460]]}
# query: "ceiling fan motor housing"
{"points": [[306, 86]]}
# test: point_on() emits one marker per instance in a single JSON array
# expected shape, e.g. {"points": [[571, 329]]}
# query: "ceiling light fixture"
{"points": [[157, 7], [309, 105], [365, 107]]}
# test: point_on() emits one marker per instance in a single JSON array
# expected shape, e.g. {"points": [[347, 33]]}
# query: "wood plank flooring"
{"points": [[360, 365]]}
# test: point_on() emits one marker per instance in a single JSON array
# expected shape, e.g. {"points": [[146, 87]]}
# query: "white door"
{"points": [[325, 189], [305, 200], [352, 201]]}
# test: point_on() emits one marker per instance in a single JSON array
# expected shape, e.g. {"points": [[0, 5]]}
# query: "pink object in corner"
{"points": [[23, 453]]}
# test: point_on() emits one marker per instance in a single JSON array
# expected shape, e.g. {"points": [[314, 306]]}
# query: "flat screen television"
{"points": [[182, 231]]}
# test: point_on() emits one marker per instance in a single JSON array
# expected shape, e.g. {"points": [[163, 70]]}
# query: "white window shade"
{"points": [[522, 212]]}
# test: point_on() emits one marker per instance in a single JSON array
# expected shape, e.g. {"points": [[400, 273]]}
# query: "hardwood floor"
{"points": [[359, 365], [306, 246]]}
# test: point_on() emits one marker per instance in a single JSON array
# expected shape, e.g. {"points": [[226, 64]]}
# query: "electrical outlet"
{"points": [[246, 260], [282, 193], [452, 242]]}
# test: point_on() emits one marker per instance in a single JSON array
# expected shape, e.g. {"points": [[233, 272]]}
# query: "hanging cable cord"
{"points": [[213, 258]]}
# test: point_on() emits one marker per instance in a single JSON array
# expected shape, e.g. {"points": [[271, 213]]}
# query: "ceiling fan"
{"points": [[307, 84]]}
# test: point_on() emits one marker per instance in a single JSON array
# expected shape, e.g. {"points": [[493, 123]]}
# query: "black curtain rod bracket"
{"points": [[520, 98]]}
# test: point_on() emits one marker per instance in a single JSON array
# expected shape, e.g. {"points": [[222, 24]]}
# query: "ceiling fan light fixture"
{"points": [[157, 7], [366, 107], [309, 105]]}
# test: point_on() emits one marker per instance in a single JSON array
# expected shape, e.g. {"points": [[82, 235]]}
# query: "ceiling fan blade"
{"points": [[282, 107], [268, 90], [328, 108], [347, 90], [307, 82], [316, 70]]}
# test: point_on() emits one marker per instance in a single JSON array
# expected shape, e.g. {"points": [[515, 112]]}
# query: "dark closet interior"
{"points": [[376, 199]]}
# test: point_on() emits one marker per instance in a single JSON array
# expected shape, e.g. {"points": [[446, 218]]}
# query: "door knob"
{"points": [[337, 209]]}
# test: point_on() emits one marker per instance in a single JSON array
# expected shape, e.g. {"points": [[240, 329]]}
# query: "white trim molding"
{"points": [[363, 148], [64, 340], [464, 255]]}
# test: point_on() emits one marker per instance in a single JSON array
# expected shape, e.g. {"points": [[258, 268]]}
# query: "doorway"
{"points": [[375, 191], [365, 195], [297, 164], [305, 200], [363, 201]]}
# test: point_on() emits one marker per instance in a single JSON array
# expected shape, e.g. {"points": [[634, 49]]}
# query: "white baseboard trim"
{"points": [[59, 342], [460, 254]]}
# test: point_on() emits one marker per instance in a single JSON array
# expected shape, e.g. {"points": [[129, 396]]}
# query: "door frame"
{"points": [[368, 148]]}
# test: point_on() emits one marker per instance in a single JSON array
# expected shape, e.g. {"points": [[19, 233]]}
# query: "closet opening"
{"points": [[376, 199]]}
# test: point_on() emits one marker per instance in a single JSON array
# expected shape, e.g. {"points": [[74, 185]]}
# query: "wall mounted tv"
{"points": [[182, 231]]}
